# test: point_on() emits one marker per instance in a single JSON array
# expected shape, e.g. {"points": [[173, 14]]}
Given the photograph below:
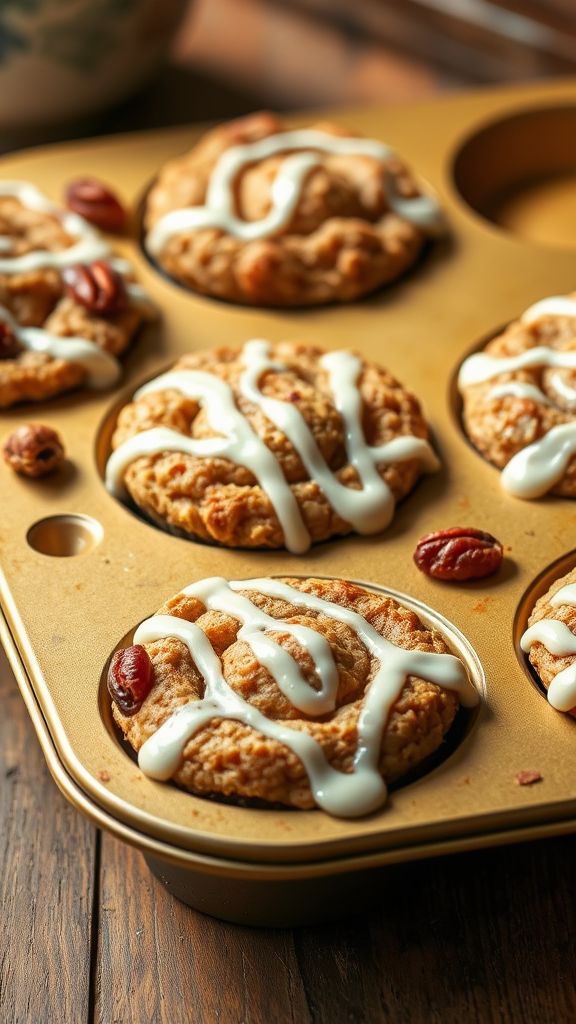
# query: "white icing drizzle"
{"points": [[518, 389], [566, 391], [239, 444], [218, 211], [369, 509], [534, 470], [481, 366], [558, 639], [102, 369], [566, 595], [89, 246], [343, 794], [555, 305]]}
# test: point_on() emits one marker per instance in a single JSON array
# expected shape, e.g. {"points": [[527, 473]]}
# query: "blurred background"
{"points": [[80, 67], [311, 52]]}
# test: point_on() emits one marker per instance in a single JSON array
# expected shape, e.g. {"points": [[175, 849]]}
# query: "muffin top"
{"points": [[270, 445], [550, 642], [519, 397], [68, 306], [296, 691], [261, 214]]}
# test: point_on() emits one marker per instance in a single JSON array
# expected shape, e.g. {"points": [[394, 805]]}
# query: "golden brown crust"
{"points": [[37, 299], [548, 665], [31, 229], [342, 241], [215, 500], [233, 760], [501, 427]]}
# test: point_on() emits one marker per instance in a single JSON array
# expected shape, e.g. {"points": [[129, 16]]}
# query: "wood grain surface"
{"points": [[47, 854], [89, 935]]}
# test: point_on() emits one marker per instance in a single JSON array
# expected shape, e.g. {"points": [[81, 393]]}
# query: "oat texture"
{"points": [[500, 427], [342, 241], [231, 759], [38, 299], [213, 499], [548, 665]]}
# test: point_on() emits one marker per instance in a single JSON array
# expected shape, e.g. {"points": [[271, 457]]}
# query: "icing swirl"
{"points": [[368, 509], [343, 794], [88, 246], [558, 639], [101, 367], [534, 470], [309, 144]]}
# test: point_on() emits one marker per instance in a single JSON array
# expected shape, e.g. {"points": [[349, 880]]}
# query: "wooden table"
{"points": [[89, 935]]}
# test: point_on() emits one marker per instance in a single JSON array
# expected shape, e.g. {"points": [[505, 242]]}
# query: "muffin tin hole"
{"points": [[459, 732], [537, 588], [519, 173], [65, 536]]}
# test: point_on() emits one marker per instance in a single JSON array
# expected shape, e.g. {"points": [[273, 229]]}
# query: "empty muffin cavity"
{"points": [[519, 174]]}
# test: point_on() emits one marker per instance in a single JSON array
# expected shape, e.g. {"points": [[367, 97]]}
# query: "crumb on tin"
{"points": [[527, 777]]}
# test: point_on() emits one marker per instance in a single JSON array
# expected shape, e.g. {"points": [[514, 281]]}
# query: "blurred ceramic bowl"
{"points": [[61, 59]]}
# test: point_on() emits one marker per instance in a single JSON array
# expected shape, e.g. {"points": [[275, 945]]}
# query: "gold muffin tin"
{"points": [[81, 570]]}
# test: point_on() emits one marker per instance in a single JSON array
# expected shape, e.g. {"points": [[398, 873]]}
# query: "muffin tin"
{"points": [[81, 570]]}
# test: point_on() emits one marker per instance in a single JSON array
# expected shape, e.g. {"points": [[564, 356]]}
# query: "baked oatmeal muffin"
{"points": [[257, 213], [550, 642], [301, 692], [519, 400], [270, 445], [68, 307]]}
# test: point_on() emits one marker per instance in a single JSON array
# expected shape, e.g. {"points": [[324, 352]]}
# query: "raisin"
{"points": [[130, 678]]}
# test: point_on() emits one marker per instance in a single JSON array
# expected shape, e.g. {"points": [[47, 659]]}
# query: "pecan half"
{"points": [[96, 203], [96, 286], [33, 449], [10, 347], [458, 553]]}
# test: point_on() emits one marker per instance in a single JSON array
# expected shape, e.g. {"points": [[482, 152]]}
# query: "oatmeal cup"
{"points": [[519, 400], [260, 214], [301, 692], [68, 307], [550, 642], [270, 445]]}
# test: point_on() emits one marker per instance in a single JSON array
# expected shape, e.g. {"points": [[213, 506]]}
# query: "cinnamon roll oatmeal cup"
{"points": [[519, 400], [550, 642], [270, 445], [68, 307], [302, 692], [256, 213]]}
